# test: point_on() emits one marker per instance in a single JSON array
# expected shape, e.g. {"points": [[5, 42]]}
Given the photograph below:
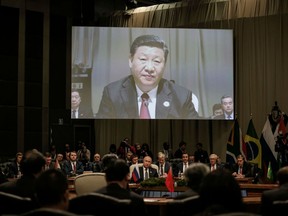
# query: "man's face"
{"points": [[147, 161], [75, 100], [240, 161], [213, 160], [147, 67], [96, 157], [227, 104], [135, 160], [73, 156], [161, 160], [48, 160], [185, 158]]}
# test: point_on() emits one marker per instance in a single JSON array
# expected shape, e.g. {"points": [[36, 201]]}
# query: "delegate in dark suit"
{"points": [[279, 194], [117, 178], [85, 112], [68, 169], [152, 173], [246, 169], [77, 108], [115, 190], [119, 100], [166, 167]]}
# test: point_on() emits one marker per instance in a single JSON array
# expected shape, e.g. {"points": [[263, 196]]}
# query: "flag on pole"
{"points": [[135, 174], [235, 144], [169, 182], [270, 173], [267, 141], [282, 127], [253, 146]]}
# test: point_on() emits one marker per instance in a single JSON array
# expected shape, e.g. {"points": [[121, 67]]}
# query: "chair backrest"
{"points": [[89, 182], [278, 207], [180, 207], [96, 204], [48, 212], [13, 204]]}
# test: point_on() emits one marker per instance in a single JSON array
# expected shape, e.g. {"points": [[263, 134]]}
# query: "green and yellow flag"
{"points": [[270, 172], [253, 146]]}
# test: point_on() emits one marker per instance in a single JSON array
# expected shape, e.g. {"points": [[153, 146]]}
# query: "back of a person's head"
{"points": [[195, 174], [182, 143], [282, 175], [112, 148], [50, 187], [32, 163], [117, 170], [221, 192], [107, 159]]}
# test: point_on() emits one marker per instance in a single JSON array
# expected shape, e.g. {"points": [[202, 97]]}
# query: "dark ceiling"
{"points": [[87, 12]]}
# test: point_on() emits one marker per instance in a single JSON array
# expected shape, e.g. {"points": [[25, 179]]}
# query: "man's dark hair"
{"points": [[117, 170], [151, 41], [108, 159], [225, 96], [50, 187], [32, 163], [182, 143]]}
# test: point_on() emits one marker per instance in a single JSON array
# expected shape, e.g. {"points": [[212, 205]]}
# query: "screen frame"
{"points": [[216, 73]]}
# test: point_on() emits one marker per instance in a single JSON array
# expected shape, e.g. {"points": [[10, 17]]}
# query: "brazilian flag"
{"points": [[253, 146]]}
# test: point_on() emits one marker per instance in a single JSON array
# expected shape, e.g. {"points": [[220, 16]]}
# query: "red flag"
{"points": [[282, 126], [169, 182]]}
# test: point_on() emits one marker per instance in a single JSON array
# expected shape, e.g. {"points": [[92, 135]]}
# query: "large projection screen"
{"points": [[201, 60]]}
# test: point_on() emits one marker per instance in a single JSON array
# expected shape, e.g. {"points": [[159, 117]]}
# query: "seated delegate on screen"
{"points": [[164, 100]]}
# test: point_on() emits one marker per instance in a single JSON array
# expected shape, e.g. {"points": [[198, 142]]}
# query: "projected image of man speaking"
{"points": [[145, 94]]}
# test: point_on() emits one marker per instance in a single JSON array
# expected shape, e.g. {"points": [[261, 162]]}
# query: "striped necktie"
{"points": [[144, 111], [146, 174], [73, 113]]}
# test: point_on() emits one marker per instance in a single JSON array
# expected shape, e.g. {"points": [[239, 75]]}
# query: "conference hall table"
{"points": [[156, 197], [157, 206]]}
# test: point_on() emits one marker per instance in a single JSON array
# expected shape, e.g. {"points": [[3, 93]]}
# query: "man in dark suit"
{"points": [[78, 110], [147, 161], [14, 168], [242, 168], [163, 99], [31, 166], [280, 194], [182, 166], [72, 166], [163, 165], [117, 178], [213, 165], [228, 108]]}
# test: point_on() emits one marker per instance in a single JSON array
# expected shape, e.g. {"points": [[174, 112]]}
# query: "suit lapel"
{"points": [[164, 100], [128, 92]]}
